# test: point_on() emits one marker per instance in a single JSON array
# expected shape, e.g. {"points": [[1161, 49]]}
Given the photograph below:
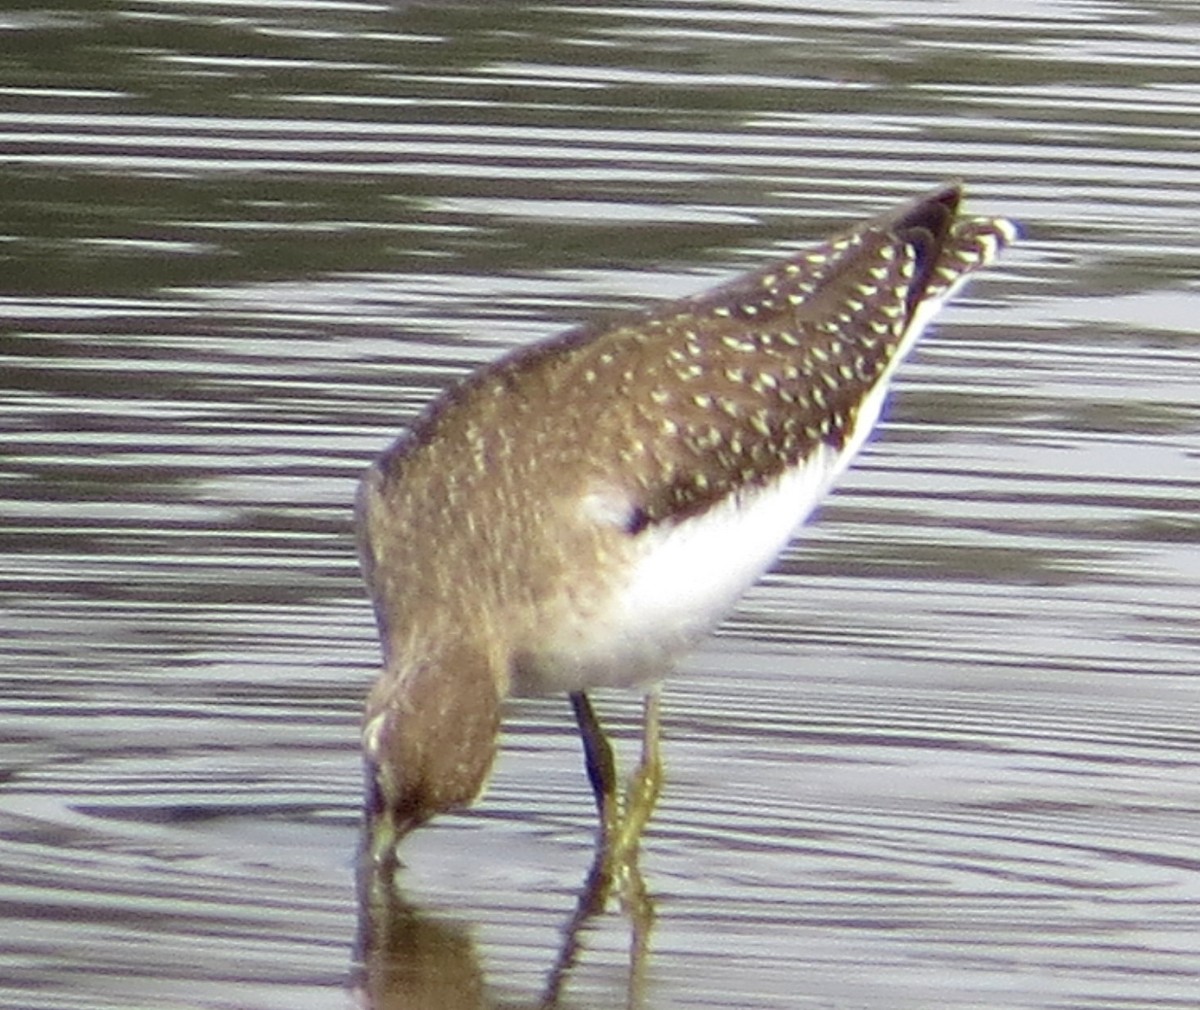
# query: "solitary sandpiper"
{"points": [[580, 512]]}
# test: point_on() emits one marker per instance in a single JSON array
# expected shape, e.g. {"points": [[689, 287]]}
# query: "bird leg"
{"points": [[601, 767], [645, 784], [622, 819]]}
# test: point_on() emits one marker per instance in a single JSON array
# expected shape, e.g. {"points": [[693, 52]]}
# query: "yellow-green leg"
{"points": [[622, 819], [643, 789]]}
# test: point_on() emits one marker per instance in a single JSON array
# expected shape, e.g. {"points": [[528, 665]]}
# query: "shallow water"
{"points": [[946, 754]]}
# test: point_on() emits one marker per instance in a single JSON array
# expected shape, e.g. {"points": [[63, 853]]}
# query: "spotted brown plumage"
{"points": [[576, 514]]}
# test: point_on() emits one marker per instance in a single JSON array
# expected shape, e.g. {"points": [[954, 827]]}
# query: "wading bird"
{"points": [[577, 514]]}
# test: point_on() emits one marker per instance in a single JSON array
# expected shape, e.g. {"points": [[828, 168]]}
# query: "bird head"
{"points": [[429, 740]]}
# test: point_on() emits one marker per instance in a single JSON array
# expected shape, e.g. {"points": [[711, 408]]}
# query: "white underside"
{"points": [[686, 576], [690, 574]]}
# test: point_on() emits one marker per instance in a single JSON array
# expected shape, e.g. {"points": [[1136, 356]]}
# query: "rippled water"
{"points": [[947, 754]]}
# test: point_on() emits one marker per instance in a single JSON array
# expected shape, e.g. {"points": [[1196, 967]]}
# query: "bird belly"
{"points": [[681, 578]]}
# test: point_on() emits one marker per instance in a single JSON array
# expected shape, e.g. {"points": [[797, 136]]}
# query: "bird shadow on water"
{"points": [[407, 957]]}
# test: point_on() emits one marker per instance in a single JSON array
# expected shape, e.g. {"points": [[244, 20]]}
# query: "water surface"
{"points": [[946, 754]]}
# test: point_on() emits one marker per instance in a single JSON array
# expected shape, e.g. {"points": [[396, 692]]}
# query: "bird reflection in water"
{"points": [[406, 958]]}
